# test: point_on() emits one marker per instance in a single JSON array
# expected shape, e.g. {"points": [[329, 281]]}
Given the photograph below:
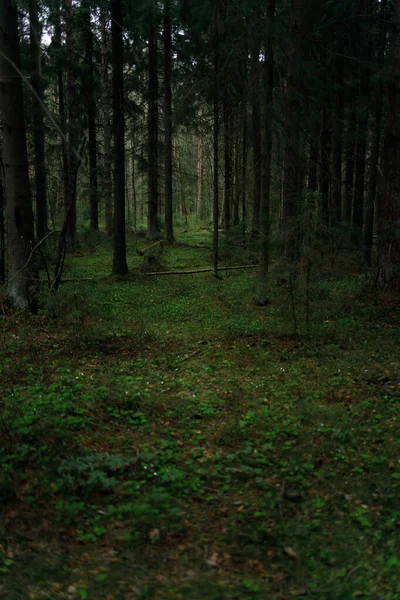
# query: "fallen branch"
{"points": [[194, 271]]}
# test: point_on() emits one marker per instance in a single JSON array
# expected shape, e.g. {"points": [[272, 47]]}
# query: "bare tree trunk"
{"points": [[38, 122], [169, 227], [256, 133], [107, 160], [91, 116], [15, 158], [312, 183], [389, 223], [376, 143], [2, 223], [266, 159], [152, 132], [337, 145], [120, 266], [325, 165], [72, 148], [293, 170], [347, 209], [201, 209], [216, 139]]}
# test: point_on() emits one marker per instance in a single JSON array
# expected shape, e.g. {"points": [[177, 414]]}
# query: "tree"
{"points": [[15, 158], [268, 71], [152, 132], [38, 121], [169, 229], [388, 274], [120, 266], [91, 118]]}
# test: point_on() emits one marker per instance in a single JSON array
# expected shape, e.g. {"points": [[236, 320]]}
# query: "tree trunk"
{"points": [[152, 132], [200, 169], [292, 170], [312, 183], [244, 167], [227, 159], [120, 266], [256, 126], [337, 145], [347, 209], [389, 224], [2, 224], [268, 78], [15, 158], [107, 160], [216, 140], [376, 143], [38, 122], [92, 128], [325, 164], [169, 227], [72, 148]]}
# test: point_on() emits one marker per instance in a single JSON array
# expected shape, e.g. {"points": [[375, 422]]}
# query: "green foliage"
{"points": [[187, 431]]}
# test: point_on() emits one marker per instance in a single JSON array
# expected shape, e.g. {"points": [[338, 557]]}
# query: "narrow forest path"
{"points": [[166, 438]]}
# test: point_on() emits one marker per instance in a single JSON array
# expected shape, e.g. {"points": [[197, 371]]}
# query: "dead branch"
{"points": [[203, 270], [141, 252]]}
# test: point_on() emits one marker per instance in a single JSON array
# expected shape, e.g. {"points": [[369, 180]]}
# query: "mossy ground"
{"points": [[166, 438]]}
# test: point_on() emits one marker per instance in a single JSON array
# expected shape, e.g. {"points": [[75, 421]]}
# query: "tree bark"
{"points": [[92, 126], [152, 132], [216, 140], [325, 162], [292, 170], [169, 226], [256, 132], [120, 266], [2, 223], [15, 157], [107, 158], [268, 72], [376, 143], [337, 144], [388, 274], [38, 122], [347, 209], [72, 128]]}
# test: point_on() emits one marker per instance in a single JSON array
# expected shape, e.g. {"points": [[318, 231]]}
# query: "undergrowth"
{"points": [[166, 438]]}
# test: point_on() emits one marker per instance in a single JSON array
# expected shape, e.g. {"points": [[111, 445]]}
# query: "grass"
{"points": [[166, 438]]}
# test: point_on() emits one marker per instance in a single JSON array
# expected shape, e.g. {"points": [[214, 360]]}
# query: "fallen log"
{"points": [[194, 271]]}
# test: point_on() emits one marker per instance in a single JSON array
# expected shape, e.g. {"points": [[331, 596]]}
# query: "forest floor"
{"points": [[165, 438]]}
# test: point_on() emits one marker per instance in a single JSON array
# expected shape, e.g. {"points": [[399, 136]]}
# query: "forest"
{"points": [[199, 299]]}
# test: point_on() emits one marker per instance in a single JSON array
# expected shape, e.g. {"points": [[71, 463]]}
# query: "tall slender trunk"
{"points": [[227, 160], [347, 208], [38, 122], [312, 181], [120, 266], [72, 128], [216, 139], [244, 167], [201, 209], [107, 157], [293, 170], [64, 166], [268, 80], [337, 143], [325, 161], [388, 274], [376, 143], [237, 175], [15, 157], [2, 223], [152, 133], [92, 126], [169, 227], [256, 133]]}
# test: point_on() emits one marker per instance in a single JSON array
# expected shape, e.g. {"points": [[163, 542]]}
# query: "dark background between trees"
{"points": [[277, 122]]}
